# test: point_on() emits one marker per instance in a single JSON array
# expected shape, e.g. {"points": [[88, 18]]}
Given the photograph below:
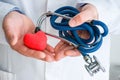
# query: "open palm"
{"points": [[16, 25]]}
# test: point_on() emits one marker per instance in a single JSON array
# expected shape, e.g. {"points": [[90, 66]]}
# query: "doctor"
{"points": [[20, 17]]}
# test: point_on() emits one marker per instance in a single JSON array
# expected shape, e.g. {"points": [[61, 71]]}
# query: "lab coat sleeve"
{"points": [[108, 11], [5, 8]]}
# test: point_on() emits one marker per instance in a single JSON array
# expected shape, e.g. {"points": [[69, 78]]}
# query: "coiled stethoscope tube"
{"points": [[70, 34], [85, 46]]}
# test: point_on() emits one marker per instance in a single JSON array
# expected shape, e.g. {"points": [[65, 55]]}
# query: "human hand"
{"points": [[15, 26], [87, 13]]}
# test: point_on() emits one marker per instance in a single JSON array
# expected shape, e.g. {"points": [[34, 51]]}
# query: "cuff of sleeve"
{"points": [[5, 8], [81, 5]]}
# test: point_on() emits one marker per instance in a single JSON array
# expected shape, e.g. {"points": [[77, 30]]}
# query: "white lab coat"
{"points": [[14, 66]]}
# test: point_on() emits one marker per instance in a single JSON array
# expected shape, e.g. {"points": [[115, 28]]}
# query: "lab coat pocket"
{"points": [[4, 75]]}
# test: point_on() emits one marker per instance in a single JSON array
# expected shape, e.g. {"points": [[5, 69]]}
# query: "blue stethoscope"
{"points": [[70, 35]]}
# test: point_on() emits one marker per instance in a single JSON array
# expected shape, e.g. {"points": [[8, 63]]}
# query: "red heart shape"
{"points": [[37, 41]]}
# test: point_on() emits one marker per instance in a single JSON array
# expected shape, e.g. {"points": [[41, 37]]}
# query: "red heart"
{"points": [[37, 41]]}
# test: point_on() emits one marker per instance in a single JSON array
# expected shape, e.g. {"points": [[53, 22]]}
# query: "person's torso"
{"points": [[31, 69]]}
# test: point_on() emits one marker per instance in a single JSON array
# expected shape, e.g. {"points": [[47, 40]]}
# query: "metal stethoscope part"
{"points": [[93, 64], [47, 14]]}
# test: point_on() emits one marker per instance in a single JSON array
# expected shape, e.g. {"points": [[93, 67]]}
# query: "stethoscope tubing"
{"points": [[84, 45]]}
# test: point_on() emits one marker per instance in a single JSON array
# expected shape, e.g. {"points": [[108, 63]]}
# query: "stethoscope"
{"points": [[70, 35]]}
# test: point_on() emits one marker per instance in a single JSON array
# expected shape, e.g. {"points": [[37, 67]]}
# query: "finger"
{"points": [[61, 54], [29, 52], [50, 48], [62, 47], [10, 35], [33, 53], [88, 12], [58, 46], [83, 34], [12, 39], [49, 56], [72, 53]]}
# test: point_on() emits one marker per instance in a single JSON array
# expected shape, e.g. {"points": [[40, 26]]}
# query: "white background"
{"points": [[115, 58]]}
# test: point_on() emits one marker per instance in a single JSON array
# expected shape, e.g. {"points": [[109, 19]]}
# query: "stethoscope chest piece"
{"points": [[84, 46], [93, 65]]}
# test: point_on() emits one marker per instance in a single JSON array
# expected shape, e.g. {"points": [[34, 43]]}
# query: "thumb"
{"points": [[77, 20], [12, 39], [11, 36], [88, 13]]}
